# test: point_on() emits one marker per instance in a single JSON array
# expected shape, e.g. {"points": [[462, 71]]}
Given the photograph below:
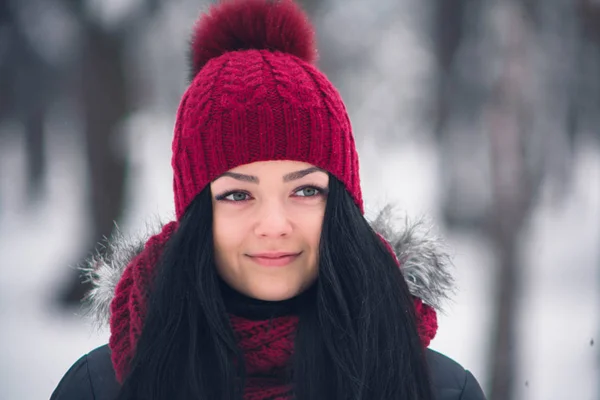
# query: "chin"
{"points": [[273, 293]]}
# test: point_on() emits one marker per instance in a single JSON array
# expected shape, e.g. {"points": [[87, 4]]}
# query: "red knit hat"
{"points": [[255, 96]]}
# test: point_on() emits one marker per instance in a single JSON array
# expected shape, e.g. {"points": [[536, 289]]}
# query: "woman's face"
{"points": [[267, 225]]}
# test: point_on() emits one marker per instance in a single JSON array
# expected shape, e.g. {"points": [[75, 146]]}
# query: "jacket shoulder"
{"points": [[450, 380], [91, 378]]}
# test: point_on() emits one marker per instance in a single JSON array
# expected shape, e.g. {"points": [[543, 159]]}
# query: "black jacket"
{"points": [[424, 263], [92, 378]]}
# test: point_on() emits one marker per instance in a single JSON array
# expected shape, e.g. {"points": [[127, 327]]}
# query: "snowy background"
{"points": [[559, 297]]}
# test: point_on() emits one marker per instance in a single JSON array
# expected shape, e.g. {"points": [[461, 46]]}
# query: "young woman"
{"points": [[269, 283]]}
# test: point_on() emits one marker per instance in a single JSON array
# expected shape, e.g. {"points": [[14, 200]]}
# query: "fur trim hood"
{"points": [[423, 258]]}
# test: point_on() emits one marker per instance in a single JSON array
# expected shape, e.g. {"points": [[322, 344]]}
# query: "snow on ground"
{"points": [[561, 319], [37, 341], [559, 308]]}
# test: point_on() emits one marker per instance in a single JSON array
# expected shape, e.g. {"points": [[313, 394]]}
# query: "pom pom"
{"points": [[252, 24]]}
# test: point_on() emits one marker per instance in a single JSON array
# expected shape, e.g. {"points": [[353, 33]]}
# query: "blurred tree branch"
{"points": [[28, 88], [106, 100], [508, 113]]}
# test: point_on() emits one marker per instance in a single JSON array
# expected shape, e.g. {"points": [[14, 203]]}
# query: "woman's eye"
{"points": [[236, 196], [308, 192]]}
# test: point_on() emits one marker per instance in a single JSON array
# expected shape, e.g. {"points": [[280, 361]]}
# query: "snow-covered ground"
{"points": [[560, 305], [559, 313]]}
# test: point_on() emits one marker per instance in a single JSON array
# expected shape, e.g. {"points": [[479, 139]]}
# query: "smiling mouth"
{"points": [[274, 259]]}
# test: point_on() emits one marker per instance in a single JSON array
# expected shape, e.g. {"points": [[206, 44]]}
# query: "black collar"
{"points": [[243, 306]]}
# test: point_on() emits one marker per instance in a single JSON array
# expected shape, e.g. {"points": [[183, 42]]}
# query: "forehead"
{"points": [[271, 167]]}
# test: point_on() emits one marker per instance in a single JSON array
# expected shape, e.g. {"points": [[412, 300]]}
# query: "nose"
{"points": [[272, 221]]}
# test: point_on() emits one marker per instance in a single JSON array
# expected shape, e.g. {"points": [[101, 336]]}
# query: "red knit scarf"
{"points": [[268, 346]]}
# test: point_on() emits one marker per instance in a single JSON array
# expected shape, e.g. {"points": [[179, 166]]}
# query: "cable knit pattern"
{"points": [[255, 97], [267, 347], [260, 105], [128, 307]]}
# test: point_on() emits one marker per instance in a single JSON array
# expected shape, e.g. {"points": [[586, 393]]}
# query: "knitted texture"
{"points": [[425, 314], [261, 102], [265, 356], [128, 307], [255, 97], [257, 105], [267, 346], [426, 321]]}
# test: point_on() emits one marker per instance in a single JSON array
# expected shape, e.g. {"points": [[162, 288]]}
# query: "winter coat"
{"points": [[92, 378], [425, 265]]}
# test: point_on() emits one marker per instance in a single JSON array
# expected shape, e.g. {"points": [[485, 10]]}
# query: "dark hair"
{"points": [[356, 339]]}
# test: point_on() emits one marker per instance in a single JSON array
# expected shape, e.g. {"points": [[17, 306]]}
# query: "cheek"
{"points": [[311, 224], [227, 238], [315, 229]]}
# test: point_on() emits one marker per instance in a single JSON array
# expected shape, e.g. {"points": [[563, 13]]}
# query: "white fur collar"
{"points": [[425, 263]]}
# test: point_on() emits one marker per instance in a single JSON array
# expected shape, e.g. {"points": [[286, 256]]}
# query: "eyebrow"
{"points": [[241, 177], [292, 176]]}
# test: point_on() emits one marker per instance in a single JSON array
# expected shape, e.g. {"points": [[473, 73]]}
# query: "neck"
{"points": [[247, 307]]}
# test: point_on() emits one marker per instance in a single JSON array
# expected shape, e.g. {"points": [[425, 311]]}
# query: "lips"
{"points": [[274, 259]]}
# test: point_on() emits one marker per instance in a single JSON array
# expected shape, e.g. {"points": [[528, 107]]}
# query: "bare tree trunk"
{"points": [[589, 15], [27, 82], [448, 35], [35, 150], [508, 113], [457, 101], [107, 99], [105, 104]]}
